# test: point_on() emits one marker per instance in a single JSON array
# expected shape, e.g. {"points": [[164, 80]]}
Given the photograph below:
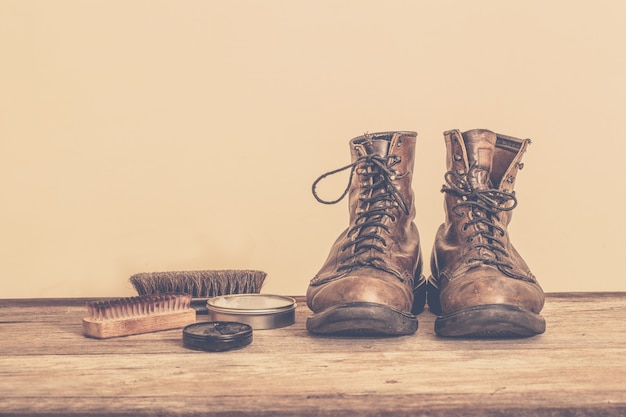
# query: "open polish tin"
{"points": [[261, 311], [217, 336]]}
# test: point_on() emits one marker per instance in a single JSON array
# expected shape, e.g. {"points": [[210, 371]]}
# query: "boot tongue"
{"points": [[480, 146], [374, 147], [378, 147]]}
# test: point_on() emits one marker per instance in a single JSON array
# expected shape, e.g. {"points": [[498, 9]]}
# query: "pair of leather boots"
{"points": [[372, 283]]}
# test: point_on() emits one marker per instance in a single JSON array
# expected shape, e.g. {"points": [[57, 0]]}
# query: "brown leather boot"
{"points": [[480, 285], [372, 282]]}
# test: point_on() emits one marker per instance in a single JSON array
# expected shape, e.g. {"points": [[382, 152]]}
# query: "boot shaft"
{"points": [[479, 202], [481, 160], [384, 171], [381, 232]]}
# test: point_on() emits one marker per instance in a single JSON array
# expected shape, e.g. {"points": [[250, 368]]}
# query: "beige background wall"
{"points": [[163, 135]]}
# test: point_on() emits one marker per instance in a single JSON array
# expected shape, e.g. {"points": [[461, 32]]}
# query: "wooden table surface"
{"points": [[577, 368]]}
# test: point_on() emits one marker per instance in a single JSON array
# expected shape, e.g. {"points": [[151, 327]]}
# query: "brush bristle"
{"points": [[200, 284], [139, 306]]}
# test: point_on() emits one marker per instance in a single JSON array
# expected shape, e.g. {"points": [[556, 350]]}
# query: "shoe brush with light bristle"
{"points": [[137, 315]]}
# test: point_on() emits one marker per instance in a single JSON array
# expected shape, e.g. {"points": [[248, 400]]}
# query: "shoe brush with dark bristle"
{"points": [[137, 315], [201, 284]]}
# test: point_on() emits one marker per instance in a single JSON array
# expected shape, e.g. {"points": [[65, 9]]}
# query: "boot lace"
{"points": [[486, 206], [379, 195]]}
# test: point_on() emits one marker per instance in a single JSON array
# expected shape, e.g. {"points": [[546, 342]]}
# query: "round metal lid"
{"points": [[251, 303]]}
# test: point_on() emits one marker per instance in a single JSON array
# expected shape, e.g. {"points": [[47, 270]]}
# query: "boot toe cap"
{"points": [[471, 291], [360, 289]]}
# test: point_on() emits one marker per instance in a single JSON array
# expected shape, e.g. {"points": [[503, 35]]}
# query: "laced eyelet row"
{"points": [[485, 207], [379, 196]]}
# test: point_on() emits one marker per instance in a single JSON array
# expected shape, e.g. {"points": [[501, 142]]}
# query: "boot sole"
{"points": [[362, 319], [490, 321]]}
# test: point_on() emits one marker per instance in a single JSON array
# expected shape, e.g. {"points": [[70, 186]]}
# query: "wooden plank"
{"points": [[578, 367]]}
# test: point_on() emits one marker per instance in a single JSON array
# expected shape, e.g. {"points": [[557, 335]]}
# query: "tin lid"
{"points": [[253, 304], [217, 336]]}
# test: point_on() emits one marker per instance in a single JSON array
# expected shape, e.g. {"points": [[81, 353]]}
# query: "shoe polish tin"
{"points": [[261, 311], [217, 336]]}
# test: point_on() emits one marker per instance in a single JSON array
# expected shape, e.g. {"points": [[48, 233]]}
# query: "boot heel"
{"points": [[490, 321], [362, 319], [419, 295]]}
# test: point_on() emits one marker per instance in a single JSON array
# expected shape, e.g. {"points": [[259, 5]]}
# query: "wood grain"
{"points": [[577, 368]]}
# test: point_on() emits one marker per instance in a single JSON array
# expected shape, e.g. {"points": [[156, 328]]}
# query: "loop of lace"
{"points": [[377, 187], [384, 169], [486, 206]]}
